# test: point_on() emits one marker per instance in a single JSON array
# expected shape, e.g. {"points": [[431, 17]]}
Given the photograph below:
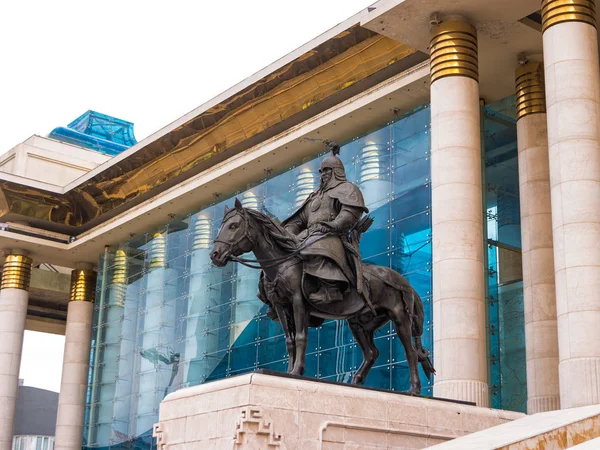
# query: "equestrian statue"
{"points": [[312, 270]]}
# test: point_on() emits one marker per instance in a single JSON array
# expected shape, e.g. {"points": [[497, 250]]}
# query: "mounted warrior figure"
{"points": [[312, 270], [328, 226]]}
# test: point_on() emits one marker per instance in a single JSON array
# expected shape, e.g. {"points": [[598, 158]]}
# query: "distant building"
{"points": [[35, 419]]}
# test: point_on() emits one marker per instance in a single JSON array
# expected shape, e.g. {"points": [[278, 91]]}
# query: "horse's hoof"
{"points": [[357, 380], [413, 391]]}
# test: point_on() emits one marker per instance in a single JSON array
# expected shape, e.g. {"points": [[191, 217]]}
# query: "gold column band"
{"points": [[158, 251], [119, 278], [83, 285], [453, 51], [559, 11], [120, 268], [16, 272], [531, 95]]}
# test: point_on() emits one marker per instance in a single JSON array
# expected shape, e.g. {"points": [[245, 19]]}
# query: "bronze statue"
{"points": [[312, 270], [332, 263]]}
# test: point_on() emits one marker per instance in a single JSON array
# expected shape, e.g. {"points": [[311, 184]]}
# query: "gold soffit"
{"points": [[318, 78], [346, 121]]}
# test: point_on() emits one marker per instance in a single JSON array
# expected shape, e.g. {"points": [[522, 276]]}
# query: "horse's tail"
{"points": [[418, 319]]}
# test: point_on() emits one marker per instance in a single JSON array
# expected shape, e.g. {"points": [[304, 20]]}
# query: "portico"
{"points": [[473, 128], [508, 32]]}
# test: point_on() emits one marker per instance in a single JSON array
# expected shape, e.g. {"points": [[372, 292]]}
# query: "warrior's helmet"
{"points": [[333, 162]]}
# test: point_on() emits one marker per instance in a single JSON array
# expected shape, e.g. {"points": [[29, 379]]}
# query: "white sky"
{"points": [[149, 62]]}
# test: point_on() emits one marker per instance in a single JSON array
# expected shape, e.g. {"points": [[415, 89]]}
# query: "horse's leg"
{"points": [[292, 347], [364, 338], [301, 337], [404, 332], [287, 326]]}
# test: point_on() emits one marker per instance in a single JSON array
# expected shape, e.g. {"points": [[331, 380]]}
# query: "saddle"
{"points": [[355, 298], [351, 302]]}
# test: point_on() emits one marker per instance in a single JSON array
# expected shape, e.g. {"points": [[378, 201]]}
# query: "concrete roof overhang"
{"points": [[343, 122], [352, 102], [503, 30], [332, 68]]}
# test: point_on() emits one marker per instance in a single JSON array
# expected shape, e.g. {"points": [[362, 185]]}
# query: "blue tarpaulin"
{"points": [[98, 132]]}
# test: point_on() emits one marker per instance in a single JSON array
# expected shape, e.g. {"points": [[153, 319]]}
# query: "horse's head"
{"points": [[234, 237]]}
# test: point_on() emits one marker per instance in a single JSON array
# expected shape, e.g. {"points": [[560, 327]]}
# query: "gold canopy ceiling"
{"points": [[320, 78]]}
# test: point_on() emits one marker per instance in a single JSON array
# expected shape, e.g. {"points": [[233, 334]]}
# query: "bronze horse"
{"points": [[277, 251]]}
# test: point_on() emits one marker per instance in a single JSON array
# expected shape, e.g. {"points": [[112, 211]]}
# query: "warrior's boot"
{"points": [[327, 293]]}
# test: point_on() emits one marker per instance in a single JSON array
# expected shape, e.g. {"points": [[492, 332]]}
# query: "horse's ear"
{"points": [[238, 204], [226, 209]]}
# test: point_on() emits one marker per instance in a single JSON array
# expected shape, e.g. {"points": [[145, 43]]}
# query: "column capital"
{"points": [[560, 11], [16, 272], [453, 50], [530, 87], [83, 285]]}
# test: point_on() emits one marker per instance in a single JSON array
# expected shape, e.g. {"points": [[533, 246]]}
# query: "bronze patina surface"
{"points": [[312, 270]]}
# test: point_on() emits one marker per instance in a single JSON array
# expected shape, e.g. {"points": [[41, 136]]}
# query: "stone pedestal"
{"points": [[258, 411]]}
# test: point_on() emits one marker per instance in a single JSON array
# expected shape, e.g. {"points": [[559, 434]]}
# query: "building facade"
{"points": [[472, 130], [35, 419]]}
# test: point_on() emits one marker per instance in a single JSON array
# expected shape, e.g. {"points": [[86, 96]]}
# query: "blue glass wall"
{"points": [[506, 326], [166, 318]]}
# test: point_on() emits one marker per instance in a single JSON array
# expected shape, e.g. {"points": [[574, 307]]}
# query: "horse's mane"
{"points": [[273, 233]]}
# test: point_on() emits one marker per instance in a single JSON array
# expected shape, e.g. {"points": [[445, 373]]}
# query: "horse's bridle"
{"points": [[235, 245], [258, 263]]}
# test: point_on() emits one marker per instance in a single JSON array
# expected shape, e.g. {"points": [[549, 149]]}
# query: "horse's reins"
{"points": [[267, 262]]}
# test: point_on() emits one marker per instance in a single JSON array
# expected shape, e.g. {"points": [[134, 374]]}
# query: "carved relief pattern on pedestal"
{"points": [[253, 428], [157, 432]]}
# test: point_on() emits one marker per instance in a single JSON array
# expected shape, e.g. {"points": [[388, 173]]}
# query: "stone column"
{"points": [[74, 381], [536, 242], [573, 102], [460, 348], [14, 297]]}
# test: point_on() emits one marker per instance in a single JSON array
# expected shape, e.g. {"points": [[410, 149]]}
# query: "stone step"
{"points": [[558, 430], [594, 444]]}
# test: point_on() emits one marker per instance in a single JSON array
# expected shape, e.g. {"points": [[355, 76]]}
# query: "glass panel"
{"points": [[166, 318], [506, 330]]}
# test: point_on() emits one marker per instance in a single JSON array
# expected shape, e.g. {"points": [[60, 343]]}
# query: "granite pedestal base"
{"points": [[267, 412]]}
